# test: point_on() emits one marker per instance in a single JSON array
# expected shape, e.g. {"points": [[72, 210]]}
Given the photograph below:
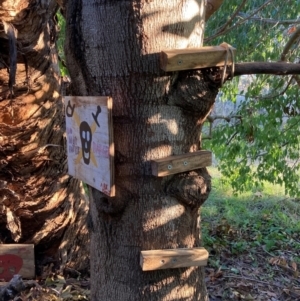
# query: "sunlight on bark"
{"points": [[183, 27], [162, 216], [171, 124], [191, 9]]}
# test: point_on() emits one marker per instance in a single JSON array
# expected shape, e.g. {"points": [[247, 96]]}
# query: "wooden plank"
{"points": [[90, 141], [173, 258], [17, 259], [186, 59], [181, 163]]}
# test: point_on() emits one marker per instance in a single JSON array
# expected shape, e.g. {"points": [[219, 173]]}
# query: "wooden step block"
{"points": [[173, 258], [17, 259], [181, 163], [187, 59]]}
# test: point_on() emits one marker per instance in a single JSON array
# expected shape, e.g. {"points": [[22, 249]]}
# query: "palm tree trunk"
{"points": [[40, 203]]}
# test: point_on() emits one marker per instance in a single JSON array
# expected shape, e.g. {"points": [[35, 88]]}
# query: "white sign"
{"points": [[90, 141]]}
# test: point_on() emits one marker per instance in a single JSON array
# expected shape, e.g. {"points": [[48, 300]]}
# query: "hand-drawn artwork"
{"points": [[96, 116], [90, 141], [16, 259], [70, 114], [86, 141], [10, 265]]}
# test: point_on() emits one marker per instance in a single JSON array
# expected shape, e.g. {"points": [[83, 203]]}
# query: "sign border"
{"points": [[106, 101]]}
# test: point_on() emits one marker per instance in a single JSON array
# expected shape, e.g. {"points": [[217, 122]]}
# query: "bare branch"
{"points": [[231, 138], [297, 79], [275, 68], [218, 33], [287, 48], [289, 44], [255, 280], [266, 20], [223, 28], [278, 94], [211, 118]]}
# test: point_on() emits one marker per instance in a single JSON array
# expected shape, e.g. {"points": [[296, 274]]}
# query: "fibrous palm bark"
{"points": [[39, 202]]}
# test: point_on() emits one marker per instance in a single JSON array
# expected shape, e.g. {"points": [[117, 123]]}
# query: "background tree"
{"points": [[266, 132], [39, 202]]}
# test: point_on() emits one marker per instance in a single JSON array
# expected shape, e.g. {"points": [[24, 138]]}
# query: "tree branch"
{"points": [[211, 7], [228, 23], [278, 94], [275, 68], [297, 79], [218, 33], [267, 20], [255, 280], [211, 120], [231, 138], [289, 44], [287, 48]]}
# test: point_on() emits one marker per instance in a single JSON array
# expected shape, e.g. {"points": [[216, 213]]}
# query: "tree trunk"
{"points": [[112, 49], [40, 204]]}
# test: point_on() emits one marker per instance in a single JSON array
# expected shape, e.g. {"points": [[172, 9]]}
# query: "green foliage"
{"points": [[252, 220], [267, 134], [60, 43]]}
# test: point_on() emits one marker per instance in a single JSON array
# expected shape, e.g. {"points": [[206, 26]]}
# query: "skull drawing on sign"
{"points": [[86, 141]]}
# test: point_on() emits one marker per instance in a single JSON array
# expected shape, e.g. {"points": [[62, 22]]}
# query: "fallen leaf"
{"points": [[215, 275], [294, 265], [270, 294]]}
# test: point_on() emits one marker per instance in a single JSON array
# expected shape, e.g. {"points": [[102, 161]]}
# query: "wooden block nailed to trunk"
{"points": [[181, 163], [17, 259], [187, 59], [173, 258]]}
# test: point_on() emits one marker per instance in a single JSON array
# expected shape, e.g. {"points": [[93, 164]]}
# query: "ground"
{"points": [[254, 245]]}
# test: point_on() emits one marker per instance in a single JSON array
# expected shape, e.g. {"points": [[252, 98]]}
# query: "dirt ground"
{"points": [[258, 276]]}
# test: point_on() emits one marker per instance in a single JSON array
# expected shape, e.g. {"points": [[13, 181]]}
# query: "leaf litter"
{"points": [[50, 286], [240, 269]]}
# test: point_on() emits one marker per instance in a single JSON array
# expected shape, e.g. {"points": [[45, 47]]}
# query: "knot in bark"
{"points": [[190, 188], [192, 93]]}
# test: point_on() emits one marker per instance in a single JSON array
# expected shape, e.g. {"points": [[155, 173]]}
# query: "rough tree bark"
{"points": [[39, 203], [112, 49]]}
